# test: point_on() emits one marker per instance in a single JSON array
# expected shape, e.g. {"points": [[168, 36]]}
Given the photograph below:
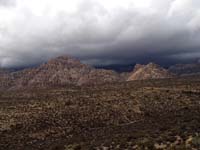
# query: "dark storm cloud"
{"points": [[99, 32]]}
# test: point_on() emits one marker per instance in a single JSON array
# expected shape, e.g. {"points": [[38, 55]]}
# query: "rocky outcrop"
{"points": [[149, 71]]}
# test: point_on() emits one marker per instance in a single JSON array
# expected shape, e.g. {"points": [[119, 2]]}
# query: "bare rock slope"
{"points": [[149, 71]]}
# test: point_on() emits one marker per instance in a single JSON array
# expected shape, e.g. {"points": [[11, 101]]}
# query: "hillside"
{"points": [[185, 69], [149, 71], [61, 71]]}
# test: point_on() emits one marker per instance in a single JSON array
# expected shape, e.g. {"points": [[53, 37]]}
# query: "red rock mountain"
{"points": [[61, 71], [149, 71]]}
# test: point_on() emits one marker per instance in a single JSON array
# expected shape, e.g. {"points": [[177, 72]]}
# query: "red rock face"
{"points": [[150, 71], [60, 72]]}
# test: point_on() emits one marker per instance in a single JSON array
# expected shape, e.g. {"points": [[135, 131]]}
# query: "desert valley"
{"points": [[64, 104], [99, 75]]}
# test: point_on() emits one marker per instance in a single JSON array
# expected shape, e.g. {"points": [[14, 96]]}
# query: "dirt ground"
{"points": [[153, 114]]}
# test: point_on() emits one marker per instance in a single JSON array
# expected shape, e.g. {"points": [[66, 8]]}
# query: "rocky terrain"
{"points": [[65, 71], [66, 105], [185, 69], [60, 71], [141, 115], [149, 71], [3, 72]]}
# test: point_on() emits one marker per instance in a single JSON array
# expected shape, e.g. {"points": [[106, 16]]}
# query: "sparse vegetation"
{"points": [[152, 114]]}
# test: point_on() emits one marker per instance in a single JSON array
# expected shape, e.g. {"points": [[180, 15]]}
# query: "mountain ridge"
{"points": [[185, 69], [65, 70], [60, 71]]}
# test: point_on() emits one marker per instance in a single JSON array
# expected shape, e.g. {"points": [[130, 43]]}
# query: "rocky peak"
{"points": [[138, 66], [149, 71], [64, 61], [153, 65]]}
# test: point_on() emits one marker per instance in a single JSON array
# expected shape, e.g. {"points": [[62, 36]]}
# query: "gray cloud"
{"points": [[7, 3], [99, 31]]}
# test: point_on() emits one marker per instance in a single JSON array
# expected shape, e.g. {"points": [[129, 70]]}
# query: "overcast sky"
{"points": [[99, 32]]}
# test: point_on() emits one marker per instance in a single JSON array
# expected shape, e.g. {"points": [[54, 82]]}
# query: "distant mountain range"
{"points": [[65, 70], [186, 69]]}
